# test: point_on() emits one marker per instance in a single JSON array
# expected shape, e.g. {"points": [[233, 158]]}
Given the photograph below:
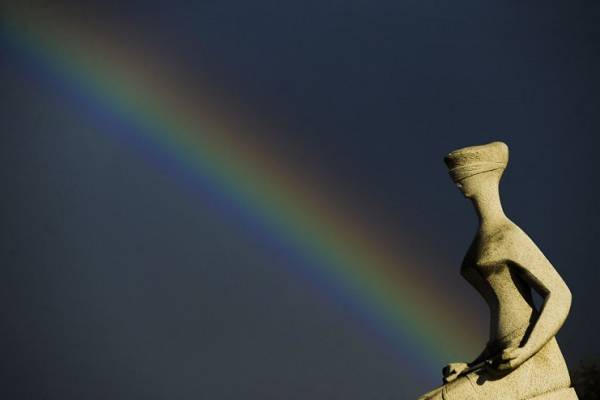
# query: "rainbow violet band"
{"points": [[422, 317]]}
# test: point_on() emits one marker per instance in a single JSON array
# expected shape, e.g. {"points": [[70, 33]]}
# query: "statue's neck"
{"points": [[488, 207]]}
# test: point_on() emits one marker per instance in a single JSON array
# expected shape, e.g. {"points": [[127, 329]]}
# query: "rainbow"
{"points": [[383, 280]]}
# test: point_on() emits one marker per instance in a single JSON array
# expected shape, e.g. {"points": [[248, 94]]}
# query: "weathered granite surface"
{"points": [[522, 359]]}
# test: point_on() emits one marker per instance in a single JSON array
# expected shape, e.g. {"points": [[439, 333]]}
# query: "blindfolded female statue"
{"points": [[522, 359]]}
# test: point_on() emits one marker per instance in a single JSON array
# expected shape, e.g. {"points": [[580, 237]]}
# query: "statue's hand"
{"points": [[510, 359], [453, 370]]}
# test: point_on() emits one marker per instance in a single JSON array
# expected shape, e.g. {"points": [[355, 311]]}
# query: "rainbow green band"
{"points": [[387, 281]]}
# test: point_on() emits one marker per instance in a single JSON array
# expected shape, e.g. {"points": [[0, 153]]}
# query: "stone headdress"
{"points": [[474, 160]]}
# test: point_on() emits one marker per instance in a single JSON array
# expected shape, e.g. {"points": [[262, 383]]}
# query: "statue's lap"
{"points": [[545, 372]]}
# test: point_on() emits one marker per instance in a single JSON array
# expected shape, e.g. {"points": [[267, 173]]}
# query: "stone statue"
{"points": [[522, 359]]}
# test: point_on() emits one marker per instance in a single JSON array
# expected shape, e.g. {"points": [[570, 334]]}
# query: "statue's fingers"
{"points": [[450, 378], [509, 354], [504, 365], [448, 369]]}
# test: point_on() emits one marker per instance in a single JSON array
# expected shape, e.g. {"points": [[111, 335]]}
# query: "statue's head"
{"points": [[475, 167]]}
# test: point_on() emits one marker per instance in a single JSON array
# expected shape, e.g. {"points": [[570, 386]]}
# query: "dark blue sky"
{"points": [[118, 284]]}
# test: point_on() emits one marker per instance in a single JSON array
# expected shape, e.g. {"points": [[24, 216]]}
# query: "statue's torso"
{"points": [[490, 272], [490, 266]]}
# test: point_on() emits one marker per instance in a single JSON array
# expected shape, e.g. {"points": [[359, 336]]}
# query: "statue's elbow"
{"points": [[567, 300], [563, 299]]}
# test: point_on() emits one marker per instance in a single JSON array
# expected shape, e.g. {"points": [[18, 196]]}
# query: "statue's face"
{"points": [[465, 188], [473, 185]]}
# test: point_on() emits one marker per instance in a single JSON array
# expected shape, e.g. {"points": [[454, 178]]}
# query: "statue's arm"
{"points": [[533, 267], [454, 370]]}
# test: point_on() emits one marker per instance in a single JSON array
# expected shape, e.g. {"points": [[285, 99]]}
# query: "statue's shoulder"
{"points": [[509, 242], [506, 242]]}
